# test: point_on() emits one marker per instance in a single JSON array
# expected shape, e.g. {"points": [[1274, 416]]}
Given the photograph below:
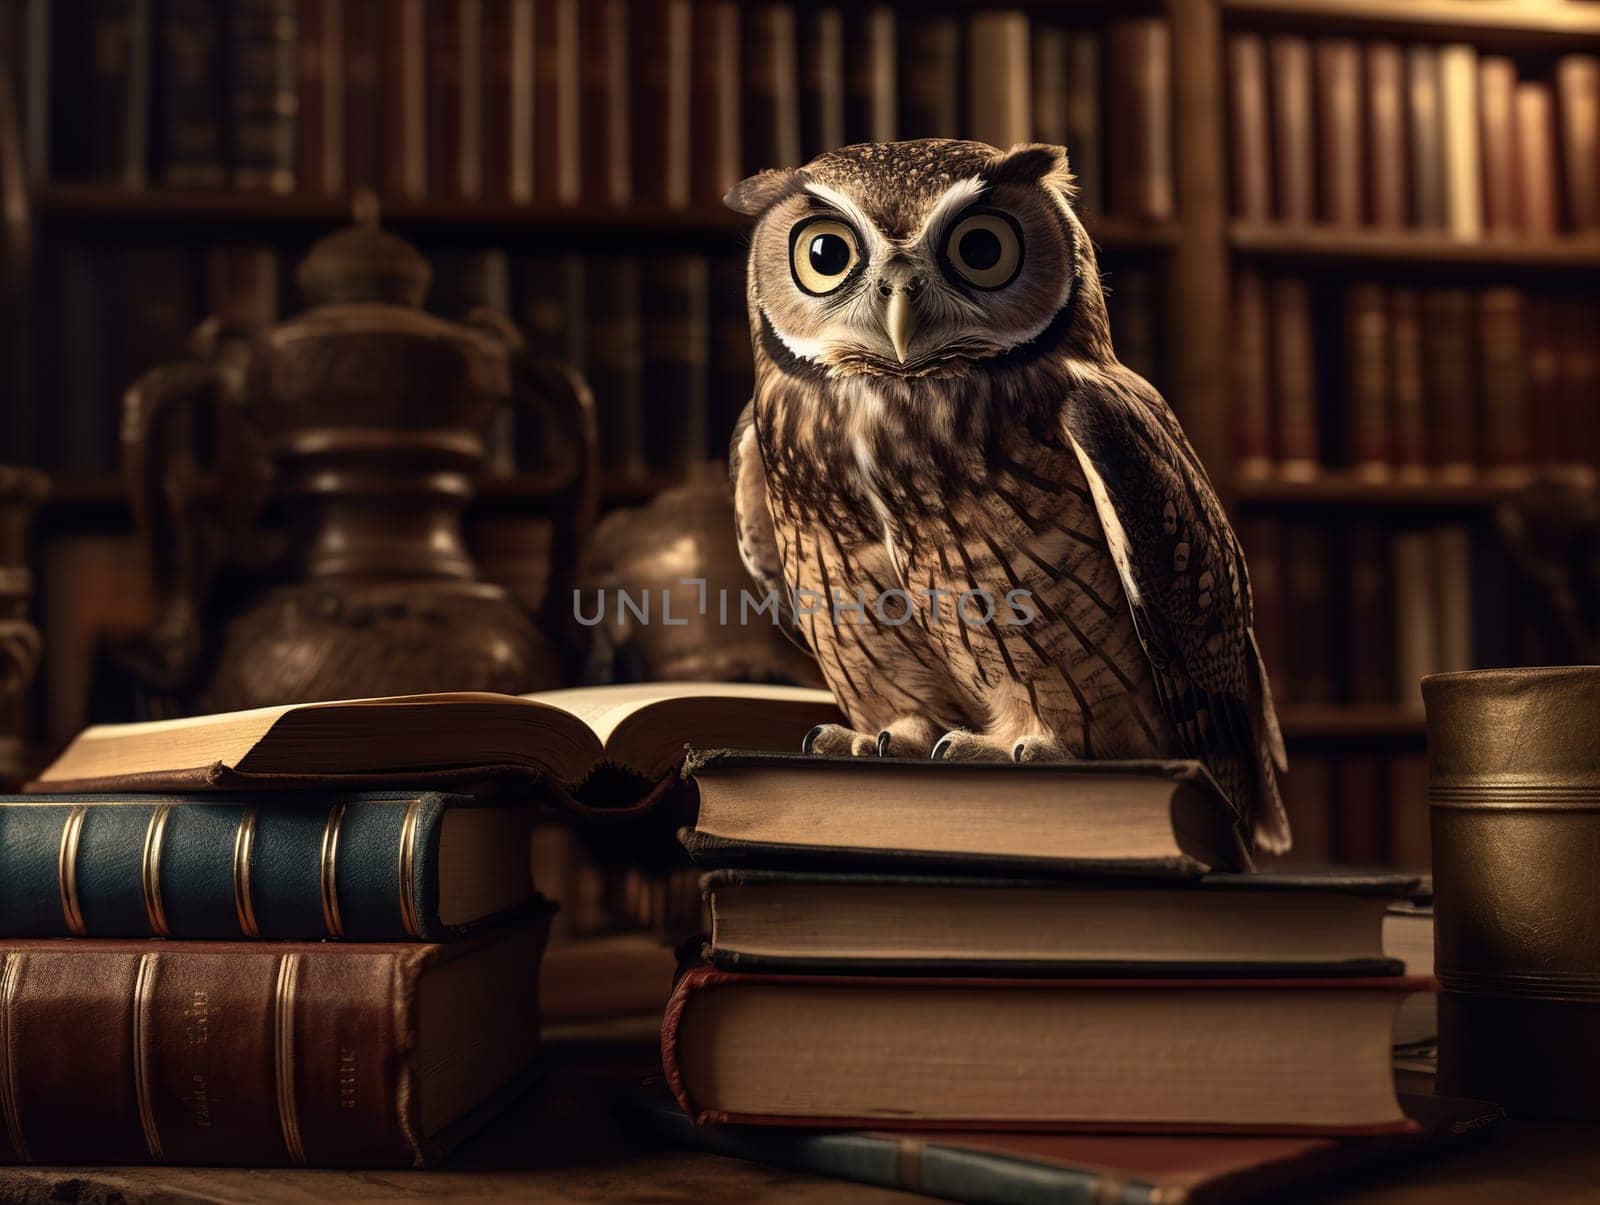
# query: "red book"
{"points": [[1010, 1054], [1497, 108]]}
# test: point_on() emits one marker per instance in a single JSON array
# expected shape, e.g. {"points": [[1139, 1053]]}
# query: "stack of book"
{"points": [[308, 934], [900, 945]]}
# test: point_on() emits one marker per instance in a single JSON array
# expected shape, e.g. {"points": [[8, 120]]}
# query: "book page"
{"points": [[603, 708]]}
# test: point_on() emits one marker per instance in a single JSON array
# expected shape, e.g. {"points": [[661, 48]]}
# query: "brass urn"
{"points": [[311, 547]]}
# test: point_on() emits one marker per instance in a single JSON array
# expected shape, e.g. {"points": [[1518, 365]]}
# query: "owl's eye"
{"points": [[986, 249], [822, 253]]}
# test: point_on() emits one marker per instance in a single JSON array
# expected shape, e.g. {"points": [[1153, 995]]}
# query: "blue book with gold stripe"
{"points": [[374, 866]]}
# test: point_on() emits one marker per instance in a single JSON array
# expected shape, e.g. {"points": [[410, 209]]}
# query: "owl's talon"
{"points": [[835, 740], [940, 749], [883, 743], [810, 740], [1040, 749], [961, 745]]}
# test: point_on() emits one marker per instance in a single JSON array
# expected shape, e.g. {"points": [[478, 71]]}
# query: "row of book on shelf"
{"points": [[609, 101], [1363, 807], [663, 338], [987, 947], [1422, 136], [1361, 612], [1406, 383]]}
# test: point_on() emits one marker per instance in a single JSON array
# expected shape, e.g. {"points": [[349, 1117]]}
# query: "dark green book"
{"points": [[1071, 1169], [1271, 925], [378, 866]]}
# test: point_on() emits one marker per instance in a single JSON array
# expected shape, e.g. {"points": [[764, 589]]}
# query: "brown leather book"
{"points": [[450, 44], [659, 58], [930, 77], [405, 98], [871, 97], [1506, 439], [1294, 173], [1311, 668], [1262, 539], [1369, 443], [1361, 822], [822, 82], [1298, 429], [1250, 156], [1497, 107], [904, 1052], [557, 100], [1049, 77], [1577, 83], [771, 97], [1340, 142], [305, 1054], [1408, 410], [1416, 608], [1368, 615], [1543, 334], [604, 73], [999, 88], [1450, 550], [321, 104], [363, 93], [1425, 136], [1450, 385], [1140, 134], [1251, 412], [714, 108], [1534, 178], [508, 42], [1388, 192]]}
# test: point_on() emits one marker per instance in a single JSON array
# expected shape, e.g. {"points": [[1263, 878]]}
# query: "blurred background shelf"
{"points": [[1351, 489], [1357, 249], [1351, 722], [1554, 24]]}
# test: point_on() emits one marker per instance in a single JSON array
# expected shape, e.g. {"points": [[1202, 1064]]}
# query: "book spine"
{"points": [[192, 95], [1298, 434], [1368, 441], [265, 57], [1289, 74], [1507, 443], [363, 94], [659, 54], [1141, 118], [557, 101], [733, 382], [999, 100], [714, 100], [1084, 119], [1497, 104], [870, 110], [1387, 199], [822, 83], [1415, 609], [1341, 159], [447, 82], [404, 73], [930, 77], [321, 105], [1410, 846], [1409, 421], [616, 364], [256, 1055], [355, 869], [604, 74], [771, 98], [676, 363], [1251, 158], [508, 32], [1459, 111], [1368, 611], [1577, 82], [1309, 803], [1535, 177], [1308, 587], [1424, 132], [1262, 539]]}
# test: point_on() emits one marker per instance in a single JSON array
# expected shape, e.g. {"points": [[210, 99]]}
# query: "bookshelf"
{"points": [[1414, 253], [1558, 24], [1349, 490]]}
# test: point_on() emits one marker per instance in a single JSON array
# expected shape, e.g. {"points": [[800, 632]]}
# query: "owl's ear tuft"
{"points": [[758, 193], [1034, 163]]}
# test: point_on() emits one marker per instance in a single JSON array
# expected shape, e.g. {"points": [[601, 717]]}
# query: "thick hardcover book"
{"points": [[101, 108], [1368, 654], [1084, 125], [1425, 136], [1503, 376], [1462, 148], [1269, 924], [371, 867], [506, 142], [1140, 138], [320, 146], [1293, 144], [1250, 159], [1298, 437], [1535, 177], [262, 1054], [1577, 83], [1409, 415], [1450, 382], [999, 93], [1340, 143], [263, 37], [193, 103], [1252, 364], [454, 71], [1170, 1055], [1311, 670], [1497, 112], [1073, 1169], [1387, 195], [1113, 817], [615, 368], [1367, 428]]}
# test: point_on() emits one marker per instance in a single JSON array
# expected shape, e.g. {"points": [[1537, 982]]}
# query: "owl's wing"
{"points": [[758, 540], [1185, 578]]}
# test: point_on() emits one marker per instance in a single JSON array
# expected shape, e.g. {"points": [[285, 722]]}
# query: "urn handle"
{"points": [[160, 413]]}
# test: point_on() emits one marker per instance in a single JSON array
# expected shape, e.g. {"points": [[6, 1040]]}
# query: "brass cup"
{"points": [[1514, 795]]}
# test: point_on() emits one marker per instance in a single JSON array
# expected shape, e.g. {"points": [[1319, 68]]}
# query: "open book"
{"points": [[560, 735]]}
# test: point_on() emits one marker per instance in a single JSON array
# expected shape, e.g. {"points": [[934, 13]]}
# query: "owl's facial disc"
{"points": [[979, 271]]}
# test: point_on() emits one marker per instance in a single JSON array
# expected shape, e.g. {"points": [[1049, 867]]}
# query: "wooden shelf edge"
{"points": [[1414, 248], [1351, 721], [1557, 24], [1350, 489]]}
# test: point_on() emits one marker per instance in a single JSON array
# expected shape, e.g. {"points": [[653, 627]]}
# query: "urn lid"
{"points": [[364, 263]]}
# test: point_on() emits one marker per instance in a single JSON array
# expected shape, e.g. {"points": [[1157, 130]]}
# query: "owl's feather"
{"points": [[753, 529], [1185, 579]]}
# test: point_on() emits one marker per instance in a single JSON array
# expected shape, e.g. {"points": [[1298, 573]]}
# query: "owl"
{"points": [[995, 538]]}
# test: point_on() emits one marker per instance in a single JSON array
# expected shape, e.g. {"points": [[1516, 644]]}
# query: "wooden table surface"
{"points": [[562, 1144]]}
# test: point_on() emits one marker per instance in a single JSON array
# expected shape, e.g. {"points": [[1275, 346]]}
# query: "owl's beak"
{"points": [[900, 320]]}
